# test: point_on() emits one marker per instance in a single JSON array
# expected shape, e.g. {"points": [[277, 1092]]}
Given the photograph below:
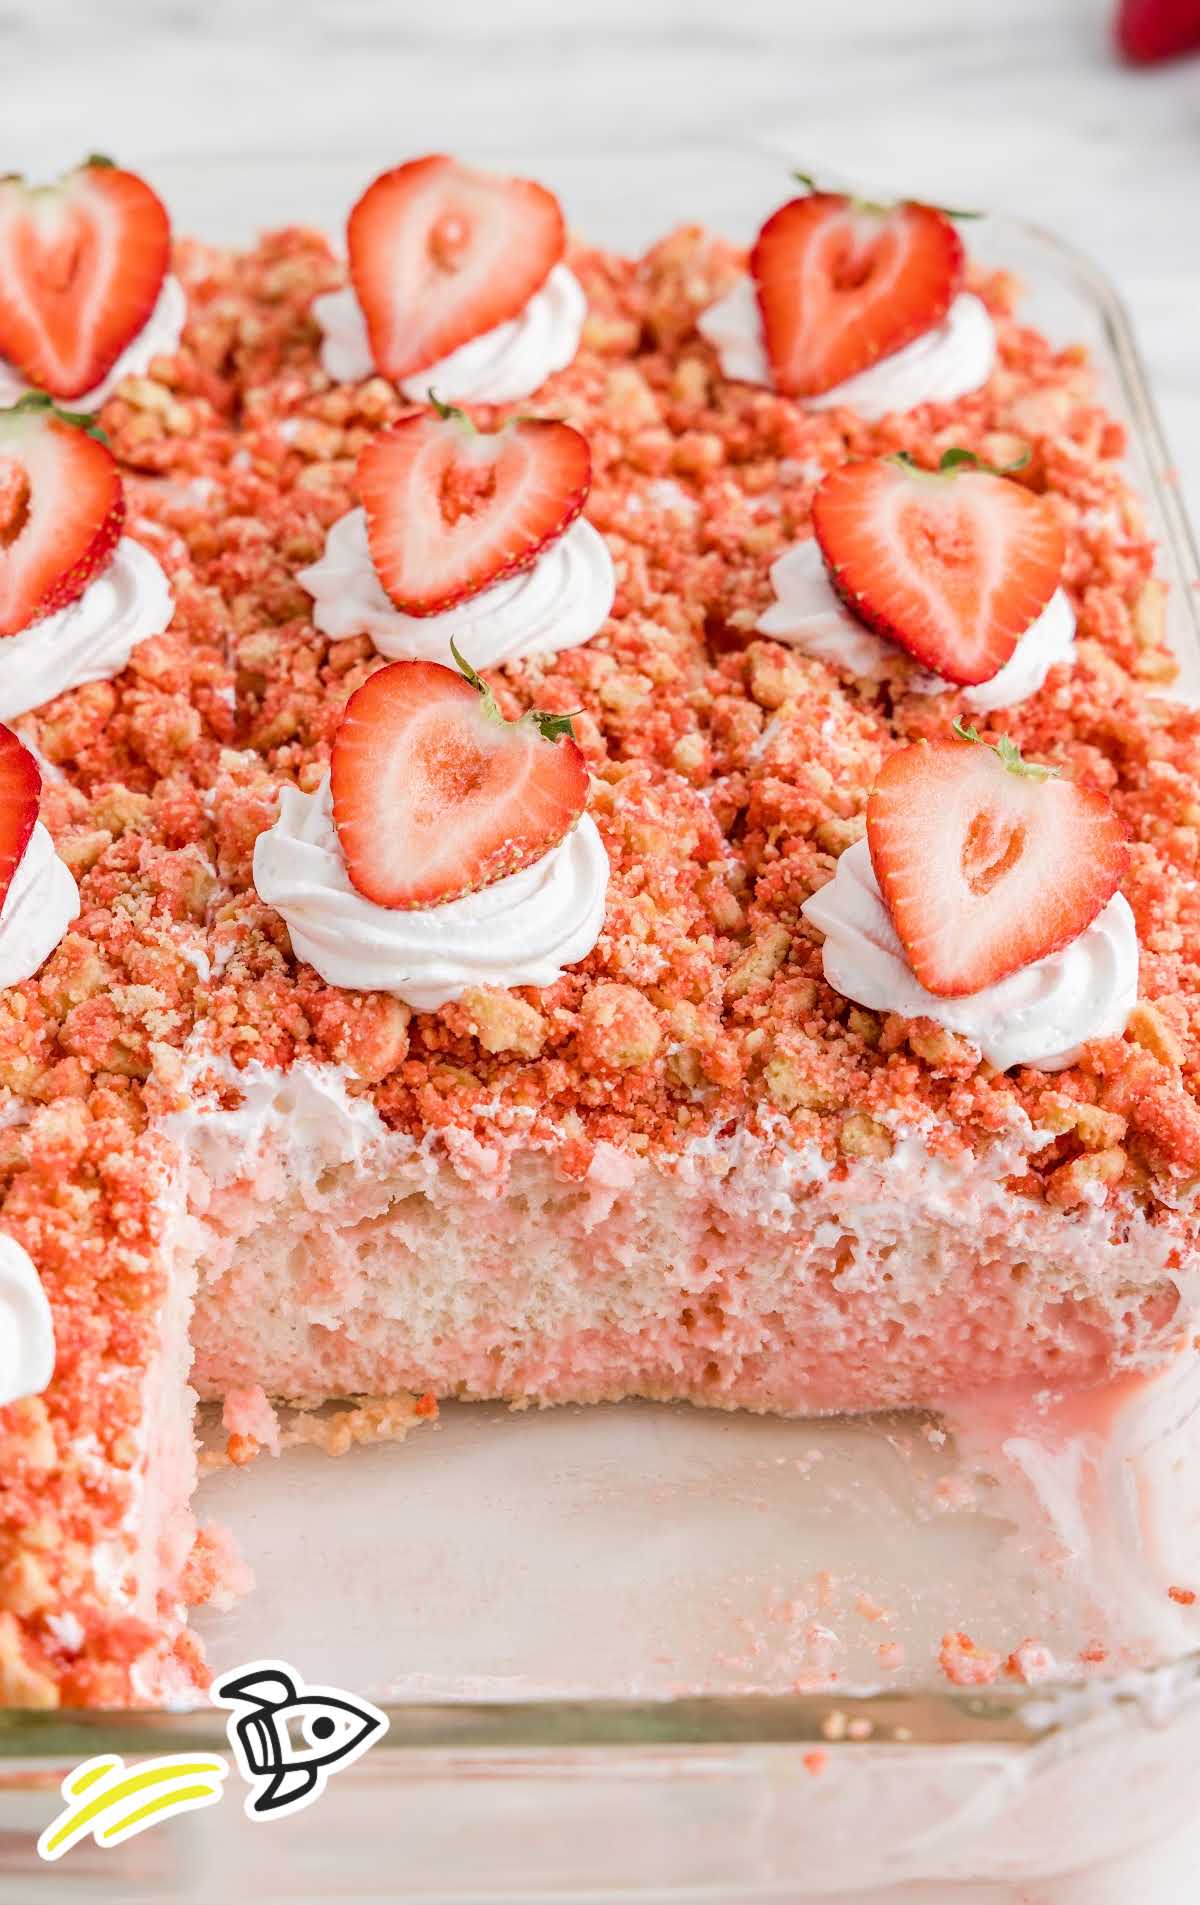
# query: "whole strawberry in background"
{"points": [[1150, 30]]}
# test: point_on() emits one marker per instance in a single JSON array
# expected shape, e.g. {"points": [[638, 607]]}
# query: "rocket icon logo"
{"points": [[288, 1738]]}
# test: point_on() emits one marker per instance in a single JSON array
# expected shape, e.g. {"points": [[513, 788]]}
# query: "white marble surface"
{"points": [[1017, 106]]}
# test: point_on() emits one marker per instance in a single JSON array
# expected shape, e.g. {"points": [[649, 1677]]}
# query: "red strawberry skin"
{"points": [[81, 266], [841, 285], [434, 795], [439, 254], [20, 792], [1151, 30], [62, 509], [953, 566], [985, 870], [452, 510]]}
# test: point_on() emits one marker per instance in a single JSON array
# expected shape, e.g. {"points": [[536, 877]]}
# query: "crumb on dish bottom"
{"points": [[270, 1427]]}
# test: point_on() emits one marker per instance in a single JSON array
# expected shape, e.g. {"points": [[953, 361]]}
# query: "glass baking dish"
{"points": [[607, 1640]]}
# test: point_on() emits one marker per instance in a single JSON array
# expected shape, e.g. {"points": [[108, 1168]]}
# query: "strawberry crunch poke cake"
{"points": [[571, 827]]}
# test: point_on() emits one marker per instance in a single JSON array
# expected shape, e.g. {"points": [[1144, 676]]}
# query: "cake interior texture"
{"points": [[687, 1170], [338, 1259]]}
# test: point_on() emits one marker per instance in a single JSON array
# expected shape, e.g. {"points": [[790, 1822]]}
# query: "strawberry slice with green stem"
{"points": [[842, 282], [440, 253], [987, 862], [451, 510], [953, 564], [62, 509], [81, 265], [435, 794], [20, 792]]}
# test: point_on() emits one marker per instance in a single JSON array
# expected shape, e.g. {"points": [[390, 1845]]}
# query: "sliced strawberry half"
{"points": [[81, 266], [987, 862], [842, 283], [953, 564], [435, 794], [20, 792], [62, 509], [451, 509], [440, 254]]}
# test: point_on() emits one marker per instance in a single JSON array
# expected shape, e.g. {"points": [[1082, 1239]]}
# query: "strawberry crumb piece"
{"points": [[215, 1575], [1031, 1663], [1183, 1597], [251, 1421], [966, 1665]]}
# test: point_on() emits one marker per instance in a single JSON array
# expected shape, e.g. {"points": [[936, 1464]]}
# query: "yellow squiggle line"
{"points": [[97, 1770], [76, 1820], [161, 1804]]}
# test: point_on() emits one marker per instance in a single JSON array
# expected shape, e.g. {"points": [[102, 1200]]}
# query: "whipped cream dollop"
{"points": [[949, 361], [158, 337], [510, 361], [1042, 1015], [520, 931], [563, 600], [26, 1325], [38, 907], [809, 614], [92, 638]]}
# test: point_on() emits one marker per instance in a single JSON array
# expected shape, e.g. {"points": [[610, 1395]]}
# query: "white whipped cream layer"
{"points": [[809, 614], [510, 361], [38, 907], [1041, 1015], [520, 931], [158, 337], [92, 638], [26, 1325], [562, 601], [950, 361]]}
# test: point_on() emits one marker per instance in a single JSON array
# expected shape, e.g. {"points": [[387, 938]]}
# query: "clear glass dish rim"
{"points": [[1020, 1720], [33, 1743]]}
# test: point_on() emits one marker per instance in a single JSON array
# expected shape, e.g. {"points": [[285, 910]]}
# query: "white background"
{"points": [[1013, 104]]}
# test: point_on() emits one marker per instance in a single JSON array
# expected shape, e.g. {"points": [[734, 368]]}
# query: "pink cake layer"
{"points": [[750, 1274]]}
